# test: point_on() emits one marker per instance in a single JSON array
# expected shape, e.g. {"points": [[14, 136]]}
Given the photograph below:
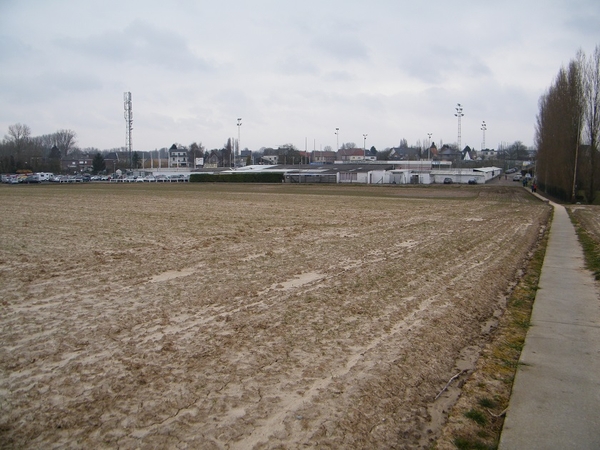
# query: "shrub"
{"points": [[260, 177]]}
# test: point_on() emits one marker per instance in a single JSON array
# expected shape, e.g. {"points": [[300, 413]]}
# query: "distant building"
{"points": [[468, 154], [244, 155], [488, 153], [350, 154], [323, 157], [79, 165], [404, 154], [213, 159], [431, 152], [447, 153], [178, 157]]}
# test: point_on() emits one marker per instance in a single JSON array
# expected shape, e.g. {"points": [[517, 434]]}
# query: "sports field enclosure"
{"points": [[222, 316]]}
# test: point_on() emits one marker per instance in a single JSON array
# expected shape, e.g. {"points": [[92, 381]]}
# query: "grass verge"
{"points": [[589, 243]]}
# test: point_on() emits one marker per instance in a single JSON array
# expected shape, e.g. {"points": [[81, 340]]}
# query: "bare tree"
{"points": [[19, 135], [64, 140], [590, 76], [228, 153], [557, 132]]}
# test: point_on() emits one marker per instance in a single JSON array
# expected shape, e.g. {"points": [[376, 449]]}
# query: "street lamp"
{"points": [[337, 135], [483, 128], [365, 147]]}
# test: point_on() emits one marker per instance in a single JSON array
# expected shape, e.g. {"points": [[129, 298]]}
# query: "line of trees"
{"points": [[567, 129], [19, 150]]}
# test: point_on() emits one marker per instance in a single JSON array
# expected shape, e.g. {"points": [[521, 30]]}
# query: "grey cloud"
{"points": [[439, 63], [11, 48], [294, 63], [339, 75], [47, 85], [139, 43], [341, 47]]}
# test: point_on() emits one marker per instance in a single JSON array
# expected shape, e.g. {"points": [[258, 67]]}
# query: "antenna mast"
{"points": [[129, 124]]}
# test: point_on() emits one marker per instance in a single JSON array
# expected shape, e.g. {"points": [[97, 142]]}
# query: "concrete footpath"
{"points": [[555, 401]]}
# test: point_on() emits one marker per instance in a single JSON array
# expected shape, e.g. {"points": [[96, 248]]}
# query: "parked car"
{"points": [[31, 179], [518, 177], [447, 180], [472, 181]]}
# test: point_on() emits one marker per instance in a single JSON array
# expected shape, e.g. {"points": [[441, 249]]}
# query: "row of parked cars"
{"points": [[175, 178], [85, 178], [32, 178], [21, 178]]}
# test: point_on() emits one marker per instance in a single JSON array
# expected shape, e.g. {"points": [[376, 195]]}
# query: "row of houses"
{"points": [[181, 158]]}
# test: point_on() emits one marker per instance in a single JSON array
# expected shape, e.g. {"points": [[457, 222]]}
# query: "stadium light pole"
{"points": [[365, 146], [337, 136], [483, 128], [429, 145], [459, 114], [239, 125]]}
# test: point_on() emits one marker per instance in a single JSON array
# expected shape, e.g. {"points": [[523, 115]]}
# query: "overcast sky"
{"points": [[294, 71]]}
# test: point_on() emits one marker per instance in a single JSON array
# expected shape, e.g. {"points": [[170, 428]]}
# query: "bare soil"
{"points": [[238, 316]]}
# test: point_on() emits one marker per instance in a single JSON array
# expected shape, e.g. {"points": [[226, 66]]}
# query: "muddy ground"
{"points": [[238, 317]]}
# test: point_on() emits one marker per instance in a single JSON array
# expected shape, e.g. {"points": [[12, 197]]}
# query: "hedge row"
{"points": [[259, 177]]}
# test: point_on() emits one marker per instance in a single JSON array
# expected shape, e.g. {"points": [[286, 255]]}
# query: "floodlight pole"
{"points": [[429, 145], [239, 125], [459, 114], [483, 128]]}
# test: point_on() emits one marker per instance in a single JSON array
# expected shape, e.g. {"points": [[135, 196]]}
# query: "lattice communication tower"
{"points": [[129, 124]]}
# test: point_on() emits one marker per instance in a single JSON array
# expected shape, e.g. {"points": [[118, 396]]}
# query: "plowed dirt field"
{"points": [[240, 317]]}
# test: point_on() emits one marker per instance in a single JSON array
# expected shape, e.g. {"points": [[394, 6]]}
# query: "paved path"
{"points": [[555, 401]]}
